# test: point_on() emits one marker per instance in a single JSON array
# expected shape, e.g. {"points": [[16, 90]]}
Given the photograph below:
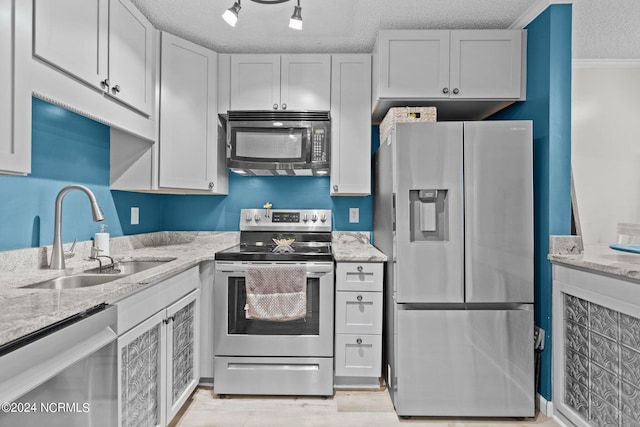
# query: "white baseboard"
{"points": [[544, 406]]}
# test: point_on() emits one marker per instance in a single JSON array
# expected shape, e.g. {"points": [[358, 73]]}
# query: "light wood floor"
{"points": [[345, 408]]}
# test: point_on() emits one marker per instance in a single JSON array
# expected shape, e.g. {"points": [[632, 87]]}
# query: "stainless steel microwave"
{"points": [[275, 143]]}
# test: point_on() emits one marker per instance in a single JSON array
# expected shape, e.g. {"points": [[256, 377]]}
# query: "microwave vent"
{"points": [[266, 115]]}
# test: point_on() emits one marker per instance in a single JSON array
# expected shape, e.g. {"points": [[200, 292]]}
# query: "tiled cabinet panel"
{"points": [[601, 363], [140, 356], [358, 324], [159, 364], [15, 95]]}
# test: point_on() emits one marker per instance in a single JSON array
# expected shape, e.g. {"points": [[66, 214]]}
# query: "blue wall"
{"points": [[70, 149], [548, 104], [66, 149]]}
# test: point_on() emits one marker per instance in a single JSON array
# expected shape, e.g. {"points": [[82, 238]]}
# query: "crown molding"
{"points": [[534, 10], [606, 63]]}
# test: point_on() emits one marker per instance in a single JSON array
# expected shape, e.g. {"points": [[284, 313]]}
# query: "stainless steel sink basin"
{"points": [[76, 281], [128, 267]]}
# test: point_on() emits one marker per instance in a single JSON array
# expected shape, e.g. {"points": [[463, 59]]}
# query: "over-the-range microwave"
{"points": [[274, 143]]}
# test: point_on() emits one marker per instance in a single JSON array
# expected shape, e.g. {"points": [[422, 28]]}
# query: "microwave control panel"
{"points": [[318, 144]]}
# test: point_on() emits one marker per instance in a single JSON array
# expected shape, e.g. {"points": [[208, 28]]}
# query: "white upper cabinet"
{"points": [[414, 66], [351, 125], [190, 155], [73, 36], [279, 82], [106, 44], [15, 96], [305, 82], [486, 64], [130, 56]]}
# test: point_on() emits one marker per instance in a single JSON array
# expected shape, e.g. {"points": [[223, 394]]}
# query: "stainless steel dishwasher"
{"points": [[62, 375]]}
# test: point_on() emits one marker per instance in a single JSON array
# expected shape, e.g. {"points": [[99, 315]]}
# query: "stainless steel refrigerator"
{"points": [[453, 211]]}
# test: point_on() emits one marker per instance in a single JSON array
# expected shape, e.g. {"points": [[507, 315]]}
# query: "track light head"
{"points": [[296, 19], [231, 15]]}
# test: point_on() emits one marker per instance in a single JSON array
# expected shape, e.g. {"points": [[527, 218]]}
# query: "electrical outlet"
{"points": [[135, 216], [354, 215]]}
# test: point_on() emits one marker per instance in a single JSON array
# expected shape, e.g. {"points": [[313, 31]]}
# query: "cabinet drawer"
{"points": [[354, 276], [359, 312], [358, 355]]}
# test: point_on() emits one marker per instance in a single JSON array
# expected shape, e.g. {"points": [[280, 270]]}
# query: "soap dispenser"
{"points": [[101, 241]]}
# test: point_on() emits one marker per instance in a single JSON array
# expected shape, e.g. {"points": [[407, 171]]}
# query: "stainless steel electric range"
{"points": [[266, 356]]}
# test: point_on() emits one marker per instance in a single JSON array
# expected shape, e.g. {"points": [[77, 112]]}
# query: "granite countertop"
{"points": [[24, 310], [354, 247], [569, 251]]}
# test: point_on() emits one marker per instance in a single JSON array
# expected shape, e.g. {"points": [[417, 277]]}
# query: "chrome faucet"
{"points": [[57, 253]]}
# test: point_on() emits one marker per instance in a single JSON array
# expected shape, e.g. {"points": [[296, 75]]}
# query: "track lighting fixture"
{"points": [[296, 19], [231, 15]]}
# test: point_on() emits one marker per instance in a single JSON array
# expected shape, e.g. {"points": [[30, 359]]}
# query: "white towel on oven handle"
{"points": [[276, 292]]}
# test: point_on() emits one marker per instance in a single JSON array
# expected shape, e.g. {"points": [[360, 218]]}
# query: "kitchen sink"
{"points": [[76, 281], [94, 277], [128, 267]]}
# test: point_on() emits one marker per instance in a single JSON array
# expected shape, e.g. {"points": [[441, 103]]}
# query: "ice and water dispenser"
{"points": [[429, 213]]}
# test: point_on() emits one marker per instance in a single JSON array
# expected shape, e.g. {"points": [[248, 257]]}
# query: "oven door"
{"points": [[235, 335]]}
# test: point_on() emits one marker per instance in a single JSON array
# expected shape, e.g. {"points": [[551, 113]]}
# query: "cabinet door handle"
{"points": [[211, 186], [116, 89], [105, 84], [275, 106], [360, 269], [456, 91], [359, 341], [284, 106], [335, 188], [445, 90], [359, 297]]}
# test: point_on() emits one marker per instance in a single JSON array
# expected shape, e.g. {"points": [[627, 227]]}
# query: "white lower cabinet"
{"points": [[159, 358], [358, 342]]}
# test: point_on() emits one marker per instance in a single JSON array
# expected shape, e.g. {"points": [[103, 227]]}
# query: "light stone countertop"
{"points": [[23, 311], [354, 247], [569, 251]]}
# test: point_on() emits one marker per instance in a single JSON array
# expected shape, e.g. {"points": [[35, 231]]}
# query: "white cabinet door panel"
{"points": [[417, 64], [486, 64], [188, 135], [351, 125], [72, 35], [130, 56], [255, 82], [305, 82]]}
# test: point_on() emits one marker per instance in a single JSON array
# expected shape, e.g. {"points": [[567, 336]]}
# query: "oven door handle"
{"points": [[313, 269]]}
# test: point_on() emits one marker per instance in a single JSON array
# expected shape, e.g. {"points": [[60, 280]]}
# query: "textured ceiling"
{"points": [[603, 29]]}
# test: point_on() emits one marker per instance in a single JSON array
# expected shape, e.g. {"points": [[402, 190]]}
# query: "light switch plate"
{"points": [[135, 216], [354, 215]]}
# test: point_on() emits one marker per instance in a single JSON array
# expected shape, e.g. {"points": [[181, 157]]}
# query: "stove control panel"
{"points": [[285, 220]]}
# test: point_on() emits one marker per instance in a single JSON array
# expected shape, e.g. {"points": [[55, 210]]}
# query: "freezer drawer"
{"points": [[465, 363]]}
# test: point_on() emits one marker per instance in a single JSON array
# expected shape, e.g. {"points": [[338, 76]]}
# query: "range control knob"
{"points": [[256, 217], [305, 218], [248, 218], [323, 218], [314, 218]]}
